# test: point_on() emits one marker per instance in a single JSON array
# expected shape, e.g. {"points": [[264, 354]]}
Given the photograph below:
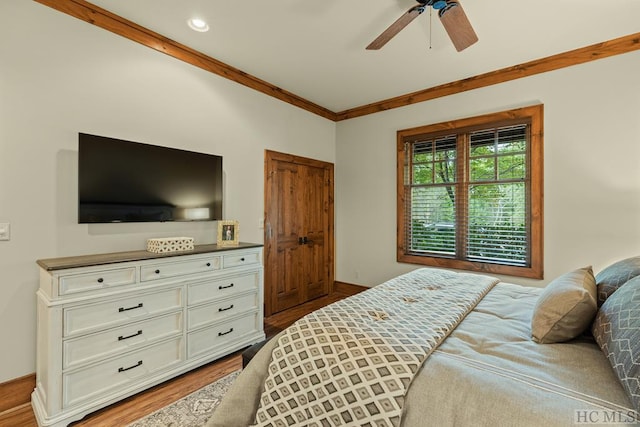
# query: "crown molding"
{"points": [[102, 18], [116, 24], [550, 63]]}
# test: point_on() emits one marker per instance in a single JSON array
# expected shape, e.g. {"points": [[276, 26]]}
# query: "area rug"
{"points": [[192, 410]]}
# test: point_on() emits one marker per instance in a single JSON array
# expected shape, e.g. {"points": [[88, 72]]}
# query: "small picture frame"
{"points": [[228, 232]]}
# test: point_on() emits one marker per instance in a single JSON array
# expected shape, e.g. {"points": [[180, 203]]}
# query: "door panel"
{"points": [[287, 288], [298, 230], [315, 225]]}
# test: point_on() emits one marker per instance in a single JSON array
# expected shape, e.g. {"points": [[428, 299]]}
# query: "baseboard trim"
{"points": [[16, 392], [348, 288]]}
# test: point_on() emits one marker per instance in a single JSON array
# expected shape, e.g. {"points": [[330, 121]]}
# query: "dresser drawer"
{"points": [[118, 340], [105, 314], [117, 373], [179, 268], [207, 340], [96, 280], [209, 290], [240, 259], [210, 313]]}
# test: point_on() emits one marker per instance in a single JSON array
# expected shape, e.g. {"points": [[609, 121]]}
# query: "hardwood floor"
{"points": [[141, 404]]}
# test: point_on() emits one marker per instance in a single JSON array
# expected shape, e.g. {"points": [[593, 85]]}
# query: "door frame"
{"points": [[269, 247]]}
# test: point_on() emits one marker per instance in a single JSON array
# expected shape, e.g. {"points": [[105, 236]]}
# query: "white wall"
{"points": [[60, 76], [592, 169]]}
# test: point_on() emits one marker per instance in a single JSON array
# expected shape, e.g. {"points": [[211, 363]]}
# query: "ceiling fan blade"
{"points": [[457, 24], [395, 28]]}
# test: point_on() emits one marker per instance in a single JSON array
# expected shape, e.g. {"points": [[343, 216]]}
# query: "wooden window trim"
{"points": [[536, 156]]}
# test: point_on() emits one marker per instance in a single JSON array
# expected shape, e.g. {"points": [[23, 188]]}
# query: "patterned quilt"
{"points": [[351, 363]]}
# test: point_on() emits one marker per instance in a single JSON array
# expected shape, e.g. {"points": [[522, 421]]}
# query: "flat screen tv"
{"points": [[124, 181]]}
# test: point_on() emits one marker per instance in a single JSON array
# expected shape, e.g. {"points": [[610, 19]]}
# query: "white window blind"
{"points": [[466, 195]]}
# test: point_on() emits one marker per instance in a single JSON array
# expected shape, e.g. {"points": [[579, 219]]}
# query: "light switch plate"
{"points": [[5, 231]]}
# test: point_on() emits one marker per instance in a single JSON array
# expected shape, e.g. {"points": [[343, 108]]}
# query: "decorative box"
{"points": [[170, 244]]}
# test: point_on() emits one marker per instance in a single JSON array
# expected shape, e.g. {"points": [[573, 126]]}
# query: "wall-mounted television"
{"points": [[125, 181]]}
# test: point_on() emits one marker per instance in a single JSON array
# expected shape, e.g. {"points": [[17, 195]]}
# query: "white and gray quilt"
{"points": [[352, 362]]}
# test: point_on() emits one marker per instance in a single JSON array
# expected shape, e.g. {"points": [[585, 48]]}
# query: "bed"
{"points": [[516, 356]]}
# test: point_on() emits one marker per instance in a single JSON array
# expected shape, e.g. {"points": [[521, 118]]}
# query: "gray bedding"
{"points": [[488, 372]]}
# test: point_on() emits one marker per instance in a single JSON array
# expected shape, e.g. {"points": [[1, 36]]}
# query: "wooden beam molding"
{"points": [[550, 63], [102, 18]]}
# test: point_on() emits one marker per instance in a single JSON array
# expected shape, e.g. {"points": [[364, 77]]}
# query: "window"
{"points": [[470, 193]]}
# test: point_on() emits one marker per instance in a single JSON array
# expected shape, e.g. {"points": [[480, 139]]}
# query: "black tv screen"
{"points": [[124, 181]]}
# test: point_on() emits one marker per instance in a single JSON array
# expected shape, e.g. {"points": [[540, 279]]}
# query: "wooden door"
{"points": [[298, 230]]}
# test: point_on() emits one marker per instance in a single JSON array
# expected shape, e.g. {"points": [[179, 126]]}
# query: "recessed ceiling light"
{"points": [[198, 24]]}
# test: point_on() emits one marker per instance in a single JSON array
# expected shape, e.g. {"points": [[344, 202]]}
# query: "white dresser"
{"points": [[112, 325]]}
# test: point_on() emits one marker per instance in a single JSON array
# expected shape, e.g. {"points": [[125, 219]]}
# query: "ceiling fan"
{"points": [[451, 15]]}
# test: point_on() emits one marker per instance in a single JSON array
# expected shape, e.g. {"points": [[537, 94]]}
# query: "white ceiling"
{"points": [[316, 49]]}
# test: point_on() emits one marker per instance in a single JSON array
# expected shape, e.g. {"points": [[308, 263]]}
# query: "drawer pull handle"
{"points": [[208, 264], [157, 271], [122, 337], [225, 287], [121, 309], [225, 333], [130, 367], [225, 309], [100, 280], [242, 259]]}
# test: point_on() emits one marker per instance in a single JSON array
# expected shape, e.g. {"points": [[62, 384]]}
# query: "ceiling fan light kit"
{"points": [[452, 16]]}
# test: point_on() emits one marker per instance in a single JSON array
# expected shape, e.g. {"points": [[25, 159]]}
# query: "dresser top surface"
{"points": [[62, 263]]}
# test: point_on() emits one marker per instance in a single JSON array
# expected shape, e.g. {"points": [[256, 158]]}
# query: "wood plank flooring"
{"points": [[141, 404]]}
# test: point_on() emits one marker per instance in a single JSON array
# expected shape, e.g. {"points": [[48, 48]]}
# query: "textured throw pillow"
{"points": [[616, 275], [565, 308], [617, 332]]}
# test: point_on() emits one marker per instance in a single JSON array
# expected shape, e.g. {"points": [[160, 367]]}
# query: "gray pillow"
{"points": [[565, 308], [617, 332], [616, 275]]}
